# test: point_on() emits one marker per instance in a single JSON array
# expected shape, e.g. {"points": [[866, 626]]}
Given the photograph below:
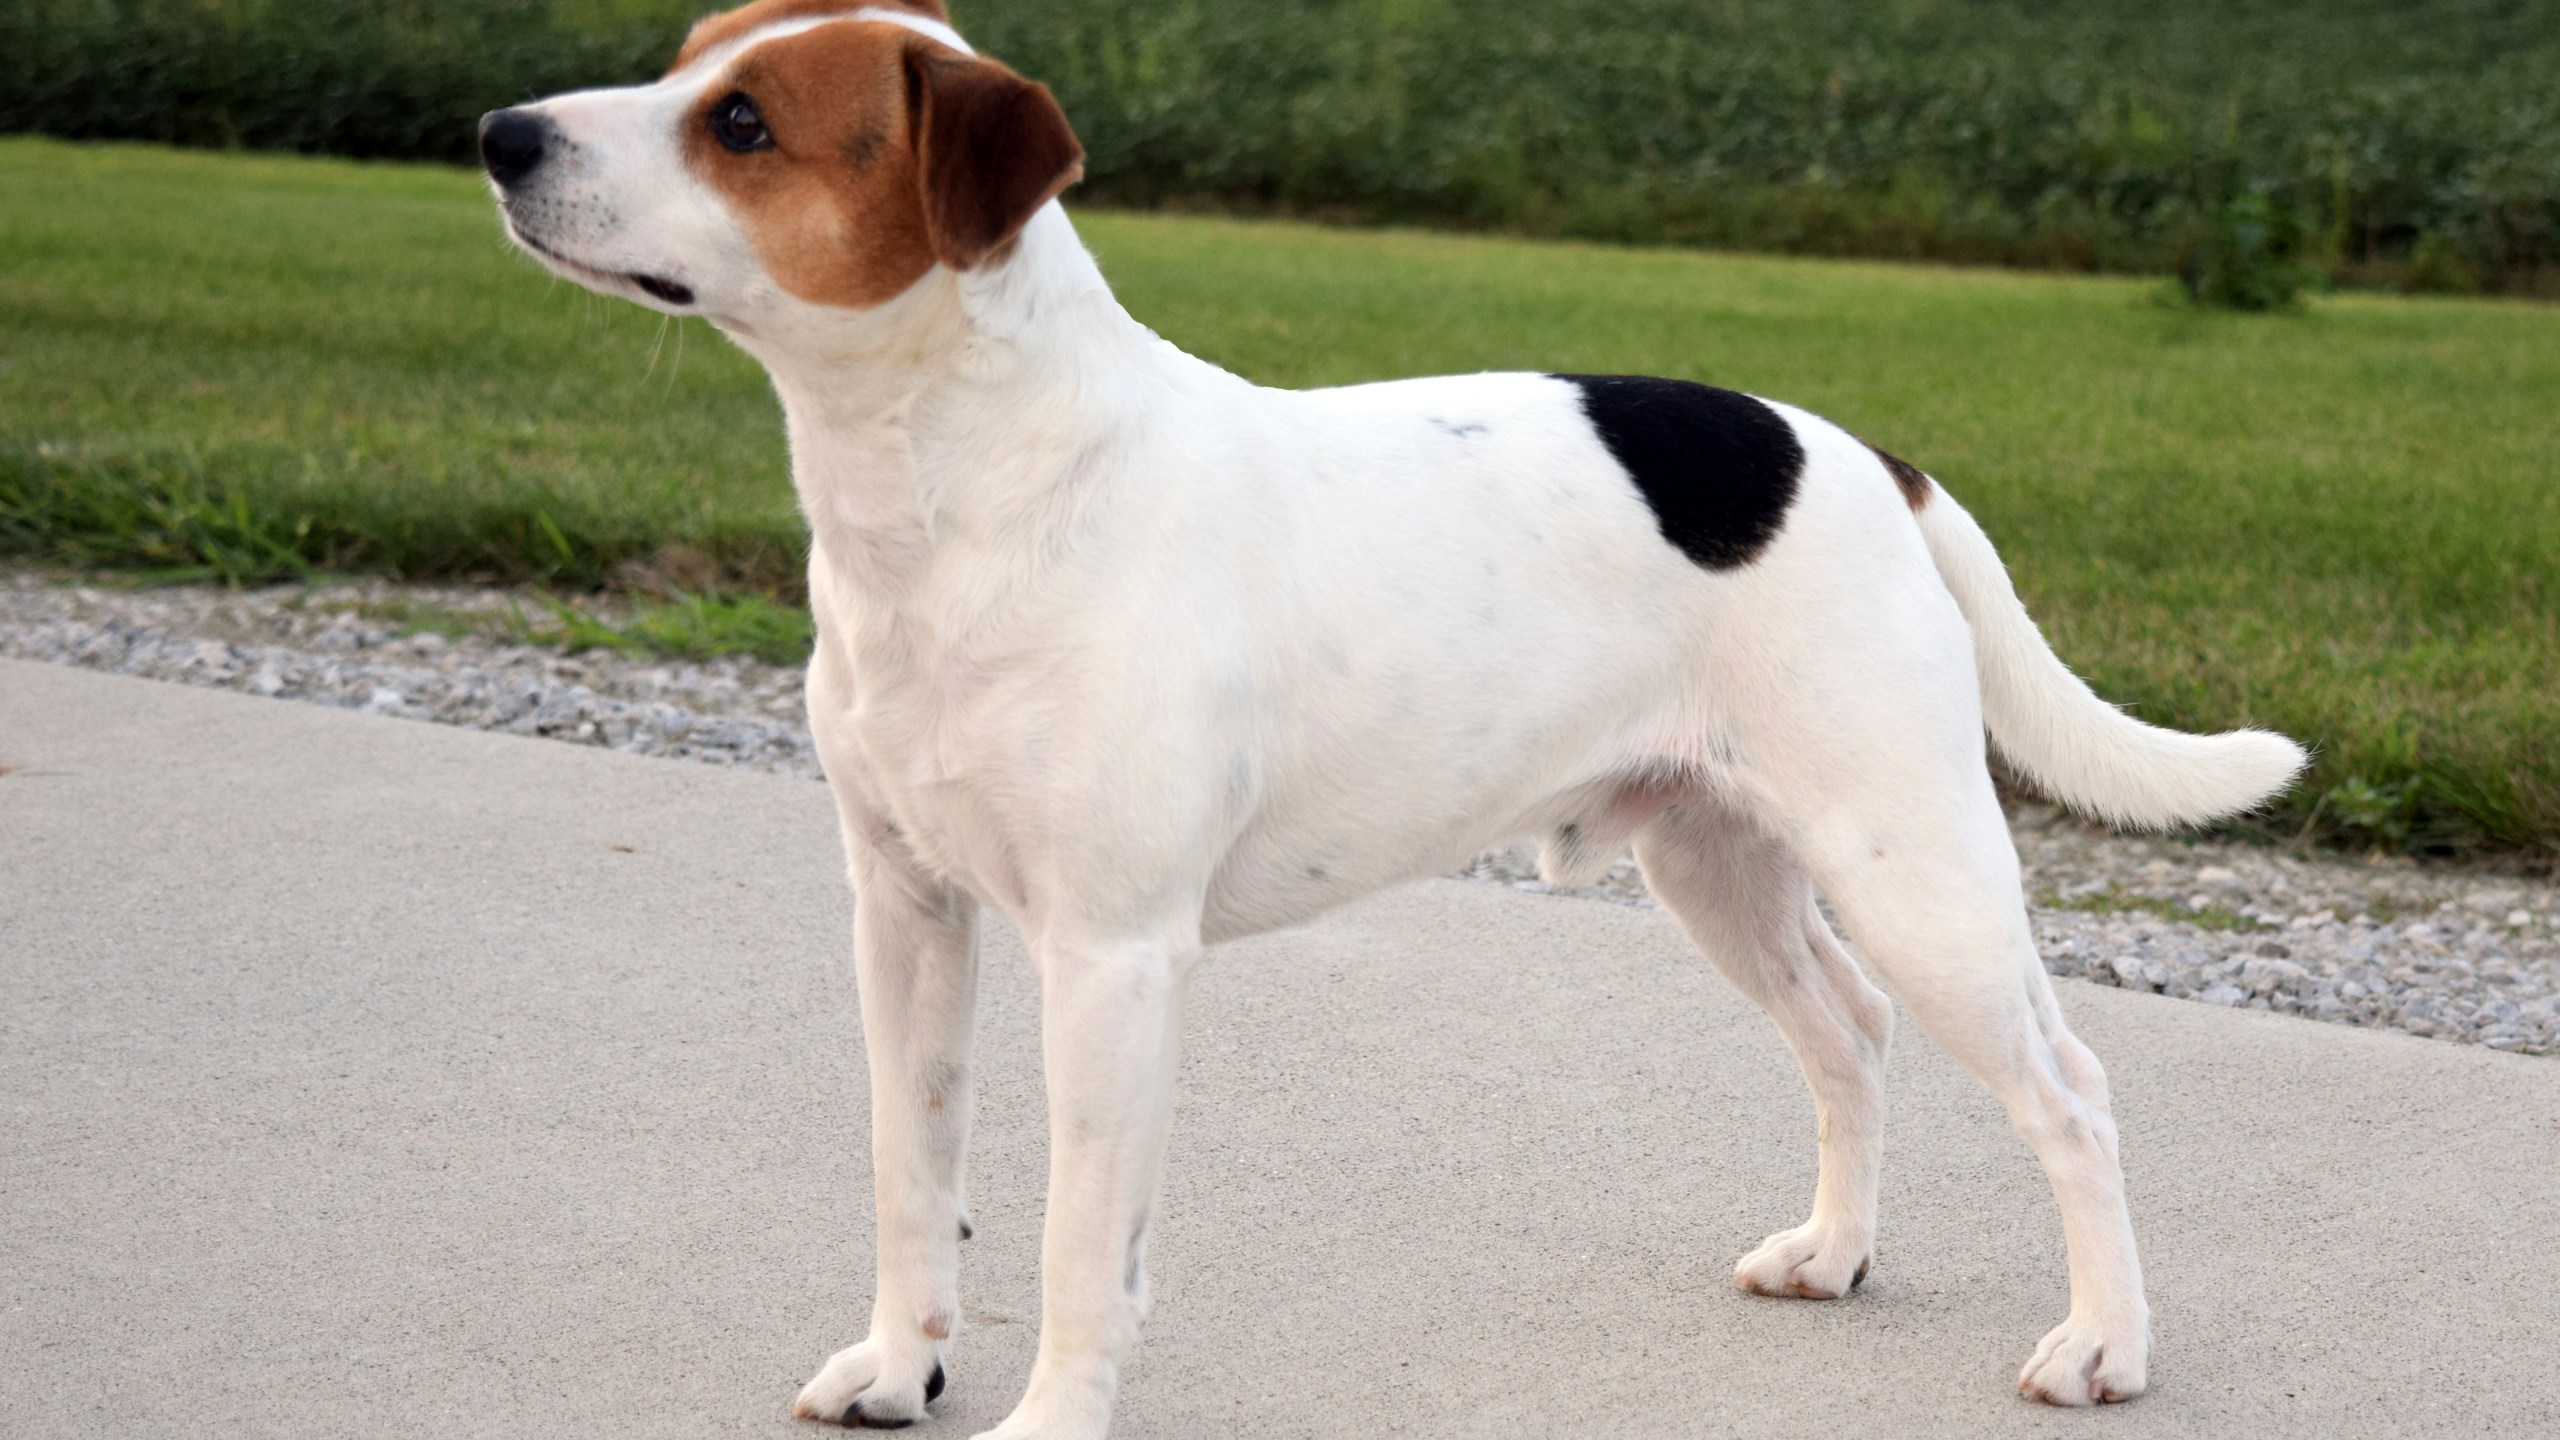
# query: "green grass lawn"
{"points": [[2344, 523]]}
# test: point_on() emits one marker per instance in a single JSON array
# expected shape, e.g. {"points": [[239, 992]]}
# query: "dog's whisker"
{"points": [[655, 346]]}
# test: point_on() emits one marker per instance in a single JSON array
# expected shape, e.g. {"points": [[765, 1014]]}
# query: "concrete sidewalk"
{"points": [[366, 1077]]}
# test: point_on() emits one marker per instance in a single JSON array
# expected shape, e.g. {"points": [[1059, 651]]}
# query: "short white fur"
{"points": [[1145, 657]]}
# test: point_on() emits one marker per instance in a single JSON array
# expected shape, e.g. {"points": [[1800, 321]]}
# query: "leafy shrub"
{"points": [[2437, 266], [2250, 256]]}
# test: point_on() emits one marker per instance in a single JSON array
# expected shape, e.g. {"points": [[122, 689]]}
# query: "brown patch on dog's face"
{"points": [[1915, 485], [713, 31], [881, 152], [832, 204]]}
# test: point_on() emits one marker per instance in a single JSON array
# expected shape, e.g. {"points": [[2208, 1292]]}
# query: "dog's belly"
{"points": [[1270, 885], [1421, 811]]}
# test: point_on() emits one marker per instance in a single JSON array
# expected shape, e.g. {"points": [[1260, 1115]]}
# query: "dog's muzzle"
{"points": [[513, 145]]}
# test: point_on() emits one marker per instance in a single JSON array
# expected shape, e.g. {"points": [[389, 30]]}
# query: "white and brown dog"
{"points": [[1146, 657]]}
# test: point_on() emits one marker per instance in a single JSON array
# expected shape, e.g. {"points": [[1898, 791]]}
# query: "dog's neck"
{"points": [[960, 414]]}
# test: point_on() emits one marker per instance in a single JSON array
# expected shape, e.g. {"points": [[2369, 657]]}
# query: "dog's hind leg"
{"points": [[1894, 813], [915, 961], [1747, 903]]}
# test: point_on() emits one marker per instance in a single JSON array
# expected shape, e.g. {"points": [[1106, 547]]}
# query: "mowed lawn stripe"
{"points": [[2343, 522]]}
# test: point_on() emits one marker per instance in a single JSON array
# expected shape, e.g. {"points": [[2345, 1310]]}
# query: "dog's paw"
{"points": [[870, 1387], [2088, 1362], [1806, 1263]]}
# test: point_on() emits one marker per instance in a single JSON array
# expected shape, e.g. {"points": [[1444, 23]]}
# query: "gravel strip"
{"points": [[2454, 953], [357, 647]]}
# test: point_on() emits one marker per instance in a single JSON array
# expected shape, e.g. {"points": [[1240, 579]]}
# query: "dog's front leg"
{"points": [[915, 959], [1111, 1013]]}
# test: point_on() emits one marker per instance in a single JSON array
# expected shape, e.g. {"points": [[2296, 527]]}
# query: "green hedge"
{"points": [[2408, 143], [368, 78]]}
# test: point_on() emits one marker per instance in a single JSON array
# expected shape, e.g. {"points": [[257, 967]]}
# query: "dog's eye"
{"points": [[736, 124]]}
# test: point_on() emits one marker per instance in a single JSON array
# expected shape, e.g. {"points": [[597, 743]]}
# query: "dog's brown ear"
{"points": [[991, 149]]}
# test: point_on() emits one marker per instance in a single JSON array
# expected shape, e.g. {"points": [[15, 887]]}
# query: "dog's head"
{"points": [[801, 153]]}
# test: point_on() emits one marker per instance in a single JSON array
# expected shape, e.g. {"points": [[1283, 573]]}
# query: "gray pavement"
{"points": [[368, 1077]]}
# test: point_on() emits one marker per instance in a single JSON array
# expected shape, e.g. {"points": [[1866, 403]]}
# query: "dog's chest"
{"points": [[944, 733]]}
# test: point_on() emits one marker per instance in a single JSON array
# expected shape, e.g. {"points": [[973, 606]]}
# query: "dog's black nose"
{"points": [[511, 144]]}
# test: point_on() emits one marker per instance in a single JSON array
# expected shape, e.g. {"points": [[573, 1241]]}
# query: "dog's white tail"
{"points": [[2072, 745]]}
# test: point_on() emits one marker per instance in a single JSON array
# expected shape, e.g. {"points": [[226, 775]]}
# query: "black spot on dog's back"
{"points": [[1719, 468]]}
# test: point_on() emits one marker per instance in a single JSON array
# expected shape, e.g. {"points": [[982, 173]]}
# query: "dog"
{"points": [[1146, 657]]}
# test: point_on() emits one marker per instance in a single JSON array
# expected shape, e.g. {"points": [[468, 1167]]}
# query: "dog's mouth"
{"points": [[656, 287], [664, 289]]}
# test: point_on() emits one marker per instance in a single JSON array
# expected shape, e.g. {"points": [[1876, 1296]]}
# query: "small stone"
{"points": [[2264, 976], [2219, 993]]}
